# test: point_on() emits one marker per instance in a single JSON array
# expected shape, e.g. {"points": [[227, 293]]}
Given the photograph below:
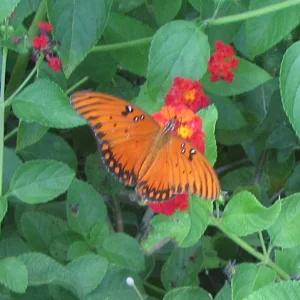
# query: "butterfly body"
{"points": [[138, 151]]}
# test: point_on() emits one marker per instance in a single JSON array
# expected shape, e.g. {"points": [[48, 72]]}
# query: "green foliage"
{"points": [[70, 230]]}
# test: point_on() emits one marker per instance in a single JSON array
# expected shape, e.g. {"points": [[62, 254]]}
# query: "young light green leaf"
{"points": [[77, 32], [40, 181], [175, 227], [182, 267], [279, 22], [225, 292], [13, 274], [288, 259], [29, 133], [85, 207], [244, 214], [287, 290], [289, 85], [124, 251], [45, 103], [179, 48], [122, 28], [284, 232], [90, 270], [166, 11], [7, 7], [187, 293], [249, 278], [246, 77]]}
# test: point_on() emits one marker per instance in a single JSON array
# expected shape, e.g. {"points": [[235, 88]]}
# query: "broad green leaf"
{"points": [[78, 249], [199, 212], [125, 29], [179, 48], [182, 267], [85, 207], [122, 6], [249, 278], [13, 274], [51, 146], [19, 33], [98, 234], [47, 73], [225, 292], [284, 232], [124, 251], [247, 76], [3, 208], [40, 229], [230, 115], [23, 10], [165, 228], [29, 133], [40, 181], [244, 214], [273, 27], [78, 28], [209, 116], [165, 11], [12, 245], [6, 8], [45, 103], [293, 184], [288, 260], [11, 163], [289, 85], [90, 270], [114, 287], [42, 269], [187, 293], [287, 290]]}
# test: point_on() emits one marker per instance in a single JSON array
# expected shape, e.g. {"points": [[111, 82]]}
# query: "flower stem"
{"points": [[124, 45], [154, 288], [77, 84], [10, 134], [254, 13], [261, 238], [240, 242]]}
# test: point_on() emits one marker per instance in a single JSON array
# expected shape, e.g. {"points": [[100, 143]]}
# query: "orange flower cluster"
{"points": [[222, 62], [44, 45]]}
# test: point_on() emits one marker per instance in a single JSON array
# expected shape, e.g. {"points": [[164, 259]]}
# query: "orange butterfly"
{"points": [[138, 151]]}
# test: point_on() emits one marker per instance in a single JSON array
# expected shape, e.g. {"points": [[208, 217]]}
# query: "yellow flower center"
{"points": [[185, 131], [190, 95]]}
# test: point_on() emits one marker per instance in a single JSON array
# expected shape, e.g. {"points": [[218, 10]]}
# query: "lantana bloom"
{"points": [[222, 63]]}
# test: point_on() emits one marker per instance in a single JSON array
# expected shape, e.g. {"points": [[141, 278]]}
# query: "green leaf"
{"points": [[187, 293], [20, 33], [166, 11], [199, 212], [98, 234], [3, 207], [124, 251], [230, 115], [77, 32], [175, 227], [209, 116], [289, 85], [114, 286], [288, 260], [40, 229], [7, 7], [85, 207], [13, 274], [225, 292], [244, 214], [121, 6], [273, 27], [90, 270], [47, 73], [249, 278], [11, 163], [40, 181], [29, 133], [51, 146], [182, 267], [293, 184], [179, 48], [247, 76], [12, 245], [42, 269], [284, 232], [78, 249], [287, 290], [45, 103], [124, 29], [23, 10]]}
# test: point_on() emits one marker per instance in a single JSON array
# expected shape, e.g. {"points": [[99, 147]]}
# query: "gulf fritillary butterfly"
{"points": [[141, 153]]}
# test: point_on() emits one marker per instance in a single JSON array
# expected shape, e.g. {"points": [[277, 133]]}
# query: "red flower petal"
{"points": [[45, 26], [40, 42], [54, 63]]}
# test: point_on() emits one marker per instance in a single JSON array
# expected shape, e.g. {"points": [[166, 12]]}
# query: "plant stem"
{"points": [[254, 13], [240, 242], [262, 242], [154, 288], [10, 134], [118, 215], [74, 87], [22, 60], [123, 45]]}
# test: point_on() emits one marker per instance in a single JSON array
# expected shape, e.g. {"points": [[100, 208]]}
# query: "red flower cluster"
{"points": [[222, 62], [44, 45], [183, 100]]}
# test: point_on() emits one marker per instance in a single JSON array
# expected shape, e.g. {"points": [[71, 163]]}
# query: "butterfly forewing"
{"points": [[124, 131]]}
